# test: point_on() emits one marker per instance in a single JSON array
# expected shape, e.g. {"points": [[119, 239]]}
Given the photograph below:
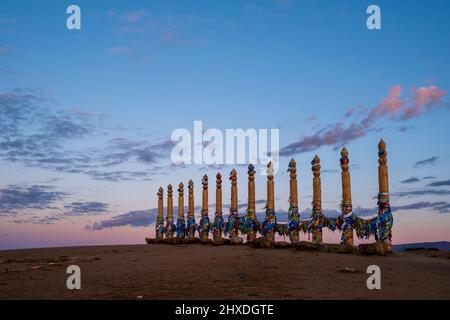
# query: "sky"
{"points": [[86, 115]]}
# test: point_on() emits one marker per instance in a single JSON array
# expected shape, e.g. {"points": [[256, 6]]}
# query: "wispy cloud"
{"points": [[424, 99], [426, 162], [86, 208], [410, 180], [441, 206], [439, 183], [416, 179], [16, 198], [35, 134], [139, 218], [424, 192]]}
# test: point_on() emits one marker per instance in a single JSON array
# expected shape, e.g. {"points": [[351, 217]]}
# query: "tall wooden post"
{"points": [[234, 231], [294, 218], [233, 219], [317, 218], [219, 193], [169, 219], [217, 227], [191, 226], [269, 225], [159, 228], [181, 223], [250, 216], [384, 209], [346, 205], [204, 224], [270, 187]]}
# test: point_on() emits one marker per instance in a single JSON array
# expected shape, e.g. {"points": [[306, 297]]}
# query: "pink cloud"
{"points": [[357, 111], [424, 99], [389, 105]]}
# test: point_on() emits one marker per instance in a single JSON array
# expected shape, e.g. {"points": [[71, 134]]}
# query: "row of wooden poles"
{"points": [[169, 232]]}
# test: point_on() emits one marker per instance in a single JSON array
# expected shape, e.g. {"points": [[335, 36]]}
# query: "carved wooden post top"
{"points": [[270, 170], [181, 189], [233, 176], [205, 182], [251, 172], [293, 169], [160, 193], [205, 195], [316, 166], [219, 181], [382, 154], [191, 186], [169, 191], [344, 159]]}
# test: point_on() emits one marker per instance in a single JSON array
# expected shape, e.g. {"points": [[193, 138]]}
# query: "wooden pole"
{"points": [[384, 232], [169, 218], [270, 222], [181, 224], [204, 223], [317, 201], [181, 201], [270, 188], [234, 231], [383, 180], [217, 228], [219, 194], [346, 206], [160, 219], [293, 201], [251, 210], [190, 215]]}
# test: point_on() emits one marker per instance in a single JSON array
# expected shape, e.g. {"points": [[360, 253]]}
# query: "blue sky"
{"points": [[100, 103]]}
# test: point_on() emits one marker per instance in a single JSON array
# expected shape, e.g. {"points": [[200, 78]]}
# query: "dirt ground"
{"points": [[207, 272]]}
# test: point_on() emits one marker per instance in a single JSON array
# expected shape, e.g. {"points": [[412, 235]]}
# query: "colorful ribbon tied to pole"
{"points": [[160, 228], [270, 222], [234, 223], [385, 222], [181, 228], [170, 226], [348, 221], [250, 222], [191, 226], [218, 224], [204, 225]]}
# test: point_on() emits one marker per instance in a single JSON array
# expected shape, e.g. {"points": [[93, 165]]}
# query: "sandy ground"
{"points": [[206, 272]]}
